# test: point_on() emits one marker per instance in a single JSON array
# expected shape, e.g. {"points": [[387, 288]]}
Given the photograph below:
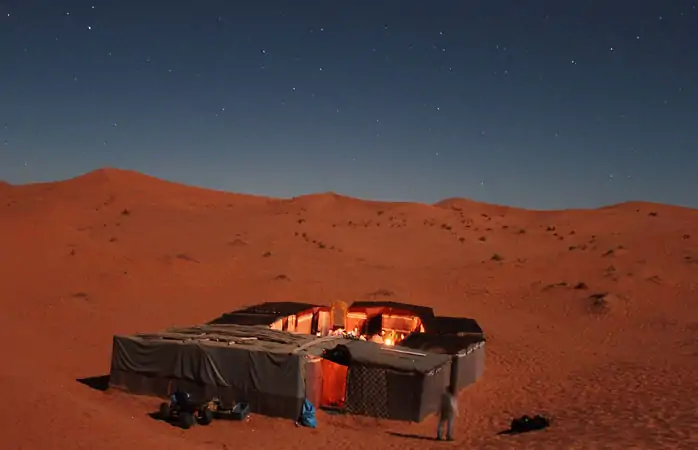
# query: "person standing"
{"points": [[447, 413]]}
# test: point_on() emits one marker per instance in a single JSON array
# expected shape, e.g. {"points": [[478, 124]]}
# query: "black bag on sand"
{"points": [[525, 423]]}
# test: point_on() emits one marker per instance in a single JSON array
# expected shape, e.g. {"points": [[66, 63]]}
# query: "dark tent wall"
{"points": [[296, 317], [433, 388], [391, 394], [467, 351], [388, 307], [391, 383], [452, 325], [470, 366], [255, 365]]}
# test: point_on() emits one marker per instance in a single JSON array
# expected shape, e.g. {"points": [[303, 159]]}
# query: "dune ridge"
{"points": [[590, 314]]}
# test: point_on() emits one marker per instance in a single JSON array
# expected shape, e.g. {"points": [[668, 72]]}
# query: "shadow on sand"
{"points": [[412, 436], [506, 432], [156, 416], [98, 383]]}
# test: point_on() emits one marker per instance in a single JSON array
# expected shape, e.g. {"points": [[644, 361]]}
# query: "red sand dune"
{"points": [[117, 252]]}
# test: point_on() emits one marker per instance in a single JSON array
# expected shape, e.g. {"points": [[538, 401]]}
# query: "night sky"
{"points": [[539, 104]]}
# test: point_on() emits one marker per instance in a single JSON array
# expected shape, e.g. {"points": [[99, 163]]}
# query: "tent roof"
{"points": [[449, 344], [452, 325], [264, 313], [421, 311], [399, 358], [260, 338], [253, 338]]}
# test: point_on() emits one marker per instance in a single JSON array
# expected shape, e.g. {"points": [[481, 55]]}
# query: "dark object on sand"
{"points": [[233, 411], [184, 411], [525, 423], [239, 411]]}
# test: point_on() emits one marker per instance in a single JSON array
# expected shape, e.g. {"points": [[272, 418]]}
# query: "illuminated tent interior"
{"points": [[303, 318], [386, 322]]}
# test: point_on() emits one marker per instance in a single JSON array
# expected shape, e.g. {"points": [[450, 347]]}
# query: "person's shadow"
{"points": [[412, 436]]}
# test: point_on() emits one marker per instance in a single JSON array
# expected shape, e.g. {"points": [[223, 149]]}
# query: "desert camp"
{"points": [[274, 356], [581, 339]]}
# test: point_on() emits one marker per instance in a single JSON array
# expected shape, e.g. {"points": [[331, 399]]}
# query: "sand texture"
{"points": [[591, 315]]}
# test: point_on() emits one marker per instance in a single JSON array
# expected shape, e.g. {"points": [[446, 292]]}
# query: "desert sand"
{"points": [[591, 315]]}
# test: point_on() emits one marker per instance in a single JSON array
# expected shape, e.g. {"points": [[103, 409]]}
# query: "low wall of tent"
{"points": [[296, 317], [254, 364], [467, 354], [276, 371], [368, 379]]}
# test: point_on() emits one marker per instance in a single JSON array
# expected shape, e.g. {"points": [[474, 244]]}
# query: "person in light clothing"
{"points": [[447, 412]]}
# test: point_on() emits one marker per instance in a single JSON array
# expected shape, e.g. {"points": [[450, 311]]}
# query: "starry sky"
{"points": [[542, 104]]}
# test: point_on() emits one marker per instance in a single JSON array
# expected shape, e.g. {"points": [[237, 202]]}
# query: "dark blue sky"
{"points": [[542, 104]]}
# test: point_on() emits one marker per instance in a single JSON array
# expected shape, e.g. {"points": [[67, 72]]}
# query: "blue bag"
{"points": [[307, 418]]}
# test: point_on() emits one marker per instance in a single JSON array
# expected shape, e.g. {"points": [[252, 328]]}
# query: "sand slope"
{"points": [[591, 314]]}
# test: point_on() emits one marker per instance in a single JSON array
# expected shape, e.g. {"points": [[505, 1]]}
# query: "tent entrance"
{"points": [[334, 385]]}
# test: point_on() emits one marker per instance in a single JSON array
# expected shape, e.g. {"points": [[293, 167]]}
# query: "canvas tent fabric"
{"points": [[233, 362], [273, 370], [391, 382], [264, 314], [238, 357], [467, 352], [452, 325], [365, 353], [423, 312], [441, 343]]}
